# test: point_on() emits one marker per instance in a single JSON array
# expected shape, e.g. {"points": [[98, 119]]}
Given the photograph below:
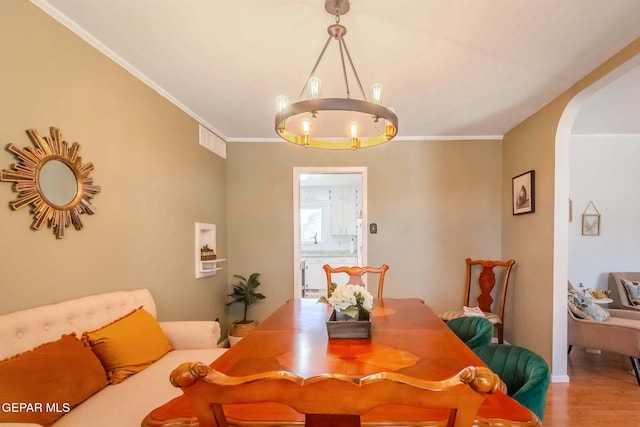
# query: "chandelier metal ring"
{"points": [[314, 134], [376, 111]]}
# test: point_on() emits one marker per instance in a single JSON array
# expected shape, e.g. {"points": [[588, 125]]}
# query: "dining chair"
{"points": [[356, 275], [525, 373], [473, 330], [253, 399], [489, 297]]}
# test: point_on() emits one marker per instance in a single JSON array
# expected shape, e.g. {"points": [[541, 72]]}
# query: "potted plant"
{"points": [[348, 300], [350, 317], [244, 292], [206, 253]]}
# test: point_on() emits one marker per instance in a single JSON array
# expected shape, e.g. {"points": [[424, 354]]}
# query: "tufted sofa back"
{"points": [[23, 330]]}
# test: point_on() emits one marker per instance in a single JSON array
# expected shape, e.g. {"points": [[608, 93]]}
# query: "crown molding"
{"points": [[452, 138], [619, 136]]}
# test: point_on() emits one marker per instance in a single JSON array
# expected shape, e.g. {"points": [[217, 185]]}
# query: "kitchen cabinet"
{"points": [[314, 194], [315, 279], [344, 211]]}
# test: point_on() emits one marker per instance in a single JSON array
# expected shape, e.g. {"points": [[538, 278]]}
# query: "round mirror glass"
{"points": [[58, 182]]}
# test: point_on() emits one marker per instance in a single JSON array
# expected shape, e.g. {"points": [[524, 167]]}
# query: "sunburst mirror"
{"points": [[51, 178]]}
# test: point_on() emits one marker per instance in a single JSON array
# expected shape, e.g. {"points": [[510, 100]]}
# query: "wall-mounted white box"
{"points": [[206, 235]]}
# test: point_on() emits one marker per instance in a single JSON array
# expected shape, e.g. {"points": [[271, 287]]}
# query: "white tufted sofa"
{"points": [[127, 403]]}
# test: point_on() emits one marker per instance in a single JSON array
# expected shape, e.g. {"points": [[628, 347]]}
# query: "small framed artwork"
{"points": [[523, 190], [591, 224]]}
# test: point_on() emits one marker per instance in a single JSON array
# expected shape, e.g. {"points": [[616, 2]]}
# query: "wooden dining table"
{"points": [[406, 337]]}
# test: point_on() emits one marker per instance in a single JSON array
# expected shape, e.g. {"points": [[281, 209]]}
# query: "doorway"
{"points": [[561, 213], [329, 211]]}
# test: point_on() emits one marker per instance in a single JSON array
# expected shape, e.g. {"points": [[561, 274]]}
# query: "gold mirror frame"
{"points": [[25, 176]]}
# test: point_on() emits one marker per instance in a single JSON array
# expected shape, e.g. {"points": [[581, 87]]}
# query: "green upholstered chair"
{"points": [[525, 373], [475, 331]]}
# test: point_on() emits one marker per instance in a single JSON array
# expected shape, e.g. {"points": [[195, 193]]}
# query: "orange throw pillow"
{"points": [[41, 385], [129, 344]]}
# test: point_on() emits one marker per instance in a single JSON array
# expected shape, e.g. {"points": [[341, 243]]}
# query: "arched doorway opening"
{"points": [[561, 214]]}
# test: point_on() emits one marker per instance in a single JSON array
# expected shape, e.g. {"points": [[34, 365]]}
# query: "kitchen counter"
{"points": [[327, 253]]}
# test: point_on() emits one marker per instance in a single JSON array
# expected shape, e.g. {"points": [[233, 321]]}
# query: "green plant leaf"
{"points": [[351, 311], [244, 291]]}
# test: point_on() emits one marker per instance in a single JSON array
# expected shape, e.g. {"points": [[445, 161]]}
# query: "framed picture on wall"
{"points": [[591, 224], [523, 191], [591, 221]]}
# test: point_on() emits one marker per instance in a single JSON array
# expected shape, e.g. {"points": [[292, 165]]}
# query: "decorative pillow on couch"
{"points": [[129, 344], [633, 291], [583, 307], [48, 381]]}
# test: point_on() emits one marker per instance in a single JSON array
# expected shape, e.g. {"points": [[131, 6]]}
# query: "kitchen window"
{"points": [[311, 225]]}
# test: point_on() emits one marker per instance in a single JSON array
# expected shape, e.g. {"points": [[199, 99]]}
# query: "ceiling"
{"points": [[450, 68]]}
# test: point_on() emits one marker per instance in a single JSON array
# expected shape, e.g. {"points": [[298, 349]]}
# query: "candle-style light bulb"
{"points": [[314, 87], [376, 93], [281, 102], [353, 131], [306, 128]]}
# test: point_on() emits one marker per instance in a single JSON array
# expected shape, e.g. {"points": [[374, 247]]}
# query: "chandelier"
{"points": [[336, 123]]}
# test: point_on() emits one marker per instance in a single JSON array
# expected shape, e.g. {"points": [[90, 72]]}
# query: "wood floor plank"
{"points": [[602, 392]]}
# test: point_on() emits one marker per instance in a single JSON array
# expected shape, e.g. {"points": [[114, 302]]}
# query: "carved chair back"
{"points": [[356, 275], [483, 289], [207, 390]]}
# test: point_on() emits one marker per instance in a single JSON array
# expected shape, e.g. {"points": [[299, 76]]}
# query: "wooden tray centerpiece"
{"points": [[350, 316], [341, 325]]}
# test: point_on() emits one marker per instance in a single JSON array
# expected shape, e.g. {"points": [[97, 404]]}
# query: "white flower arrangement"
{"points": [[348, 299]]}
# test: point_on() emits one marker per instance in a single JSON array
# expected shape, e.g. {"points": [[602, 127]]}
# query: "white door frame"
{"points": [[297, 171]]}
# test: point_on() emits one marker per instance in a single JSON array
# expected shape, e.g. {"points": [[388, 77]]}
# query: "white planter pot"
{"points": [[233, 340]]}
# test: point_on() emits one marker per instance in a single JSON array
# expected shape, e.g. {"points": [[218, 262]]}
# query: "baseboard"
{"points": [[559, 378]]}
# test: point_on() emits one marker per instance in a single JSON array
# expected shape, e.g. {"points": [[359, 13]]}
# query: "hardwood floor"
{"points": [[601, 392]]}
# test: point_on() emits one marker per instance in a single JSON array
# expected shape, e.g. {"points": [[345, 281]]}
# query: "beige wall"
{"points": [[435, 203], [156, 180], [530, 239]]}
